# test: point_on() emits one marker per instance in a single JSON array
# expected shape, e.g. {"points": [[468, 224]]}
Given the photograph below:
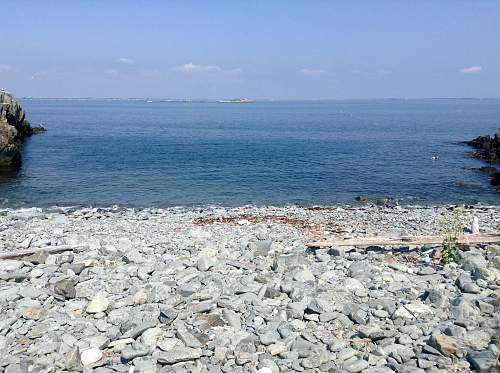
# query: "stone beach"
{"points": [[215, 289]]}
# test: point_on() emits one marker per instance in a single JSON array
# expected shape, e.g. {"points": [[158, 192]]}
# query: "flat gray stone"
{"points": [[179, 354]]}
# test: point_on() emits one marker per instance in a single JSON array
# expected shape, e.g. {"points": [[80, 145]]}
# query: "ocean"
{"points": [[166, 153]]}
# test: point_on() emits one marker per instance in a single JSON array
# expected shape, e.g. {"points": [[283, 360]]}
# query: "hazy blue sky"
{"points": [[258, 49]]}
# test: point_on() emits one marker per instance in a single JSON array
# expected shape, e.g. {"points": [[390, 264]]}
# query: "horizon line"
{"points": [[256, 99]]}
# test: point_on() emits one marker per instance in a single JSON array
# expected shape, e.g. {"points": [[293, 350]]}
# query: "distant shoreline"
{"points": [[51, 208], [256, 99]]}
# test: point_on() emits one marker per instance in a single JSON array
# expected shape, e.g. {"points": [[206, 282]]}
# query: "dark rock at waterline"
{"points": [[496, 179], [14, 127], [39, 129], [488, 148], [387, 202], [381, 202], [489, 170], [361, 198]]}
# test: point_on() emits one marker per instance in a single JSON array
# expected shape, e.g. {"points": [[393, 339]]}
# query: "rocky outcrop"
{"points": [[13, 129], [488, 149]]}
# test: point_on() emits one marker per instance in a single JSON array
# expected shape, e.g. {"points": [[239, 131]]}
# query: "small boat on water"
{"points": [[236, 101]]}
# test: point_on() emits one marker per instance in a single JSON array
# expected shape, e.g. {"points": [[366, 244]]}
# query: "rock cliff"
{"points": [[13, 129]]}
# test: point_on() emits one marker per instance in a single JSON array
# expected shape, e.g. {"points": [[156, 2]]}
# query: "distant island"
{"points": [[236, 101]]}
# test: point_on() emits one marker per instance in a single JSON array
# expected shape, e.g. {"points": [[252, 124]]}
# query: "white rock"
{"points": [[412, 310], [352, 284], [264, 370], [36, 272], [98, 304], [89, 262], [27, 214], [90, 356], [123, 341], [198, 233], [150, 337], [206, 262], [27, 241], [475, 225], [418, 308], [304, 276], [141, 297], [134, 256], [9, 265], [167, 344], [402, 312], [3, 343], [259, 320]]}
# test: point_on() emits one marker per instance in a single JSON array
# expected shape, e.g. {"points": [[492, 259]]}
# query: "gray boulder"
{"points": [[483, 361]]}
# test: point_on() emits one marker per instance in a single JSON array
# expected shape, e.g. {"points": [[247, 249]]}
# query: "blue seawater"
{"points": [[139, 153]]}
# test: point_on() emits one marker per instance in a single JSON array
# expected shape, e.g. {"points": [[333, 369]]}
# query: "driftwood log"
{"points": [[328, 241], [47, 249]]}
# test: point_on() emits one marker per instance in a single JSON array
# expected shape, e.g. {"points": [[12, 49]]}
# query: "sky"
{"points": [[274, 49]]}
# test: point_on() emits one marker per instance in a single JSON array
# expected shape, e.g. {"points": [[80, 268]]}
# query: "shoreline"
{"points": [[195, 206], [162, 290]]}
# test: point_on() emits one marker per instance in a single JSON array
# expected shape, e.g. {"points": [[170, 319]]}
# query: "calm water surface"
{"points": [[103, 152]]}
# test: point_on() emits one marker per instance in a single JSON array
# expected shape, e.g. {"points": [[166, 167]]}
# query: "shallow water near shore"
{"points": [[139, 153]]}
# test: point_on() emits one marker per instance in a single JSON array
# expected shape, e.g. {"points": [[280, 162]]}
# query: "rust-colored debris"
{"points": [[295, 222]]}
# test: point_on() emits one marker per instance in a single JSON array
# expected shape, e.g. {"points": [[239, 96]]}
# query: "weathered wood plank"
{"points": [[47, 249], [403, 240]]}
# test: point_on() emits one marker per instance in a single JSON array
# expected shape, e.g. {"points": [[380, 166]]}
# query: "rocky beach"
{"points": [[217, 289], [250, 187]]}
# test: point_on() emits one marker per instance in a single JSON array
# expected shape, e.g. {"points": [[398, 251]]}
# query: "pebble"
{"points": [[206, 262], [264, 370], [132, 351], [304, 275], [65, 288], [90, 356], [356, 366], [99, 303]]}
